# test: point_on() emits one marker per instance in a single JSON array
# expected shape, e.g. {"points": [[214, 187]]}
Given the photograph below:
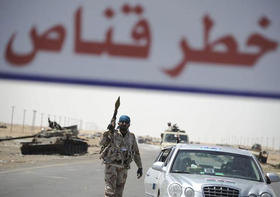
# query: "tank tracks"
{"points": [[68, 147]]}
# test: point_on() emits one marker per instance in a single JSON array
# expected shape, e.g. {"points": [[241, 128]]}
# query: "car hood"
{"points": [[197, 182]]}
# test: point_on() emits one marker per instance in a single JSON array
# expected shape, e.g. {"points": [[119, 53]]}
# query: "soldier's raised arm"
{"points": [[112, 124], [107, 135], [105, 139]]}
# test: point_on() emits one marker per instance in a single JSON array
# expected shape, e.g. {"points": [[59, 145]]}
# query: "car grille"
{"points": [[213, 191]]}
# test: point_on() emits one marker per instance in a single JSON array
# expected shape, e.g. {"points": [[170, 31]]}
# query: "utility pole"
{"points": [[23, 121], [12, 119], [273, 143], [81, 124], [279, 144], [42, 116], [266, 142], [34, 119]]}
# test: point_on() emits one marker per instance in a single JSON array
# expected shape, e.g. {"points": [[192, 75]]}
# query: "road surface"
{"points": [[78, 178]]}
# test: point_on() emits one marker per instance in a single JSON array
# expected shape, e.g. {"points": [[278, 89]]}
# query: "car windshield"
{"points": [[216, 164], [183, 138], [172, 138]]}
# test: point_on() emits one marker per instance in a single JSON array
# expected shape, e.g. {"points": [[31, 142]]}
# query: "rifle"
{"points": [[111, 126]]}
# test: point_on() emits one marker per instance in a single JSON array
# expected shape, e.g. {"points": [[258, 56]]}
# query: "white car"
{"points": [[191, 170]]}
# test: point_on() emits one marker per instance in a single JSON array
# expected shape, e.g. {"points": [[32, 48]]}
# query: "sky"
{"points": [[206, 118]]}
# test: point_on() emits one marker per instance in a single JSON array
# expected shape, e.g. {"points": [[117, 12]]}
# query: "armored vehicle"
{"points": [[56, 140], [172, 136]]}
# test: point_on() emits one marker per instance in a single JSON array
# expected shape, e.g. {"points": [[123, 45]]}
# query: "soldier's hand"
{"points": [[112, 125], [139, 172]]}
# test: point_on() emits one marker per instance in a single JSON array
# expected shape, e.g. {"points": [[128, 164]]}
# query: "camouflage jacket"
{"points": [[120, 150]]}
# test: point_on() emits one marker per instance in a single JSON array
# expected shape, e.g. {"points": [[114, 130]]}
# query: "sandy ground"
{"points": [[11, 157]]}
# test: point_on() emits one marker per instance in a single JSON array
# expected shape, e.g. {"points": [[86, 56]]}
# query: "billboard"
{"points": [[214, 47]]}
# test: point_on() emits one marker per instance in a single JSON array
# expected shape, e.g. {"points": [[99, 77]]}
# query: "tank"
{"points": [[56, 140]]}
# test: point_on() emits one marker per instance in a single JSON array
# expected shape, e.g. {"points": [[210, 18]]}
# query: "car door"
{"points": [[152, 176]]}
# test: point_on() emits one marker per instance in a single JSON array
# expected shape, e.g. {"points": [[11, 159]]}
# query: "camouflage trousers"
{"points": [[115, 178]]}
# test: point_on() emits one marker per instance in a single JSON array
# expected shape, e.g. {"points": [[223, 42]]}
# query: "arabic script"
{"points": [[231, 56], [52, 39]]}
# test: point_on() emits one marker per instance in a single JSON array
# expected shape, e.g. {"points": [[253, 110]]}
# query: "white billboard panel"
{"points": [[216, 47]]}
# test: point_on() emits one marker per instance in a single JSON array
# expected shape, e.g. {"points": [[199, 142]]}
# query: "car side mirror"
{"points": [[272, 177], [158, 165]]}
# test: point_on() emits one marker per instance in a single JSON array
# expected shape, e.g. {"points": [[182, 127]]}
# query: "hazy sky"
{"points": [[204, 117]]}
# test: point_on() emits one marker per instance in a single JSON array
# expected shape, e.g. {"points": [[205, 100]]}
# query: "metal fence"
{"points": [[36, 118]]}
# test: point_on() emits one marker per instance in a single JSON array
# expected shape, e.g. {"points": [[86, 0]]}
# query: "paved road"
{"points": [[80, 178]]}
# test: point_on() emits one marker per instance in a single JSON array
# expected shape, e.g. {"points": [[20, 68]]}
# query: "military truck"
{"points": [[173, 135], [56, 140]]}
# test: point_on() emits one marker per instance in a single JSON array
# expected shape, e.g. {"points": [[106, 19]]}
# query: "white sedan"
{"points": [[188, 170]]}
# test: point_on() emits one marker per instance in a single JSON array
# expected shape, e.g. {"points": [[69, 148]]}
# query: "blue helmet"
{"points": [[124, 118]]}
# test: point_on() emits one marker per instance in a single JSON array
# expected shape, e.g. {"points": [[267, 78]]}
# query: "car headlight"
{"points": [[266, 195], [189, 192], [252, 195], [175, 190]]}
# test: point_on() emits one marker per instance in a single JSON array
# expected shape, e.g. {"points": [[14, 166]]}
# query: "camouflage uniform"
{"points": [[119, 152]]}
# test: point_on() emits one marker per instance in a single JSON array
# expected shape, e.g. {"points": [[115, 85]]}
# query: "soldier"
{"points": [[169, 126], [119, 148]]}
